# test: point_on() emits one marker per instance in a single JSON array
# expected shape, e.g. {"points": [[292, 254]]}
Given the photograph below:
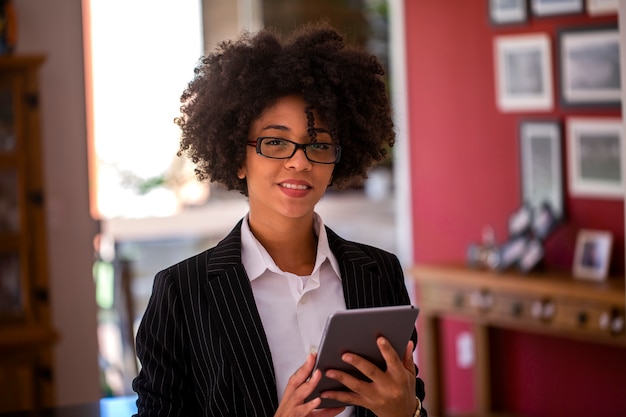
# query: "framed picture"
{"points": [[502, 12], [594, 157], [523, 72], [556, 7], [592, 255], [520, 221], [599, 7], [544, 221], [511, 252], [590, 66], [532, 256], [541, 165]]}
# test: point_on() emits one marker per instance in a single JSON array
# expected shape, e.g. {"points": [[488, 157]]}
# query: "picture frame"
{"points": [[511, 252], [520, 221], [504, 12], [544, 222], [595, 165], [589, 66], [532, 256], [541, 165], [592, 255], [602, 7], [556, 7], [523, 67]]}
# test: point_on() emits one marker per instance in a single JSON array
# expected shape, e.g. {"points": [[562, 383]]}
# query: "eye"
{"points": [[275, 142], [320, 146]]}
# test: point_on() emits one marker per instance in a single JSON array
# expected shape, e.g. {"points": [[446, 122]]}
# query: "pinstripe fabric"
{"points": [[201, 343]]}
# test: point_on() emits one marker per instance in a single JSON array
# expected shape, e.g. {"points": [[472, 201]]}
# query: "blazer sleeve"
{"points": [[162, 381], [400, 289]]}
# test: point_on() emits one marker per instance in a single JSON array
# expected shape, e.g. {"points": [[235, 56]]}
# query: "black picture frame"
{"points": [[541, 164], [589, 66]]}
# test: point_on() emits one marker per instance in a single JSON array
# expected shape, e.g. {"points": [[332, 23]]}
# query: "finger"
{"points": [[408, 357], [358, 389], [390, 355], [301, 375], [366, 367]]}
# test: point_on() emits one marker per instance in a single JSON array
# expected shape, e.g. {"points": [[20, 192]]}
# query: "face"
{"points": [[285, 187]]}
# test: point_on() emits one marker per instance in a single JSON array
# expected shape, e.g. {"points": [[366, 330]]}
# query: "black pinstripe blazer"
{"points": [[202, 345]]}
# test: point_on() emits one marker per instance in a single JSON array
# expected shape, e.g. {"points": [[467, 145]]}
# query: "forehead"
{"points": [[287, 113]]}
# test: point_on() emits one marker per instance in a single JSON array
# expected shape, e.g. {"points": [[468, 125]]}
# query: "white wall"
{"points": [[55, 29]]}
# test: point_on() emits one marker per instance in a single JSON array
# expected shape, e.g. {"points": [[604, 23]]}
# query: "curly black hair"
{"points": [[232, 86]]}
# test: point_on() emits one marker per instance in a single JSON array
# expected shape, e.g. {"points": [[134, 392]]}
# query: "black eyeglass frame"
{"points": [[257, 143]]}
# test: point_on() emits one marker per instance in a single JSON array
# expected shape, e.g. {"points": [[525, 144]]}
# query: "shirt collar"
{"points": [[256, 260]]}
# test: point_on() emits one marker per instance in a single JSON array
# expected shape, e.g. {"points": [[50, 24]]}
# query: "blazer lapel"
{"points": [[359, 273], [240, 326]]}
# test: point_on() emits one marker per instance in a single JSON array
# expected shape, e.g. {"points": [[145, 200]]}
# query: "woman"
{"points": [[233, 331]]}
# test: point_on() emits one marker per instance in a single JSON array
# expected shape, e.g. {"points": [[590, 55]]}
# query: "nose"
{"points": [[299, 161]]}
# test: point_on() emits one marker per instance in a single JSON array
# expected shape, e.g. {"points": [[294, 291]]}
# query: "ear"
{"points": [[241, 173]]}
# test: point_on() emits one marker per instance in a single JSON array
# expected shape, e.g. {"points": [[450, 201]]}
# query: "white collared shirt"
{"points": [[293, 308]]}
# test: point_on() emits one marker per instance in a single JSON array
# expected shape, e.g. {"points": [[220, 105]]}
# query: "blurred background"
{"points": [[151, 209], [120, 206]]}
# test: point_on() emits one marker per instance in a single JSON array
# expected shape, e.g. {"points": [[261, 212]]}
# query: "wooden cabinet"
{"points": [[26, 334], [548, 303]]}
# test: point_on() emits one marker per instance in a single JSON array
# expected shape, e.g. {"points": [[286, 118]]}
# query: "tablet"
{"points": [[356, 331]]}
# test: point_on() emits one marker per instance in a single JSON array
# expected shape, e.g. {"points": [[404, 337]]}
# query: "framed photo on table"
{"points": [[593, 255], [595, 166], [556, 7], [523, 68], [503, 12], [541, 164], [589, 61]]}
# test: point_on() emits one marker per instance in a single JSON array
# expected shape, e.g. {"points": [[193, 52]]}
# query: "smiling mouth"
{"points": [[294, 186]]}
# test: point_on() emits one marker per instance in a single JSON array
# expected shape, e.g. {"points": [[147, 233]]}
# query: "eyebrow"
{"points": [[286, 129]]}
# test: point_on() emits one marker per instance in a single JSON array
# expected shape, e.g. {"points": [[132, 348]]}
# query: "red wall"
{"points": [[466, 174]]}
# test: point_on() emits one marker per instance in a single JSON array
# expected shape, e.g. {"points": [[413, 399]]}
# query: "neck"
{"points": [[291, 243]]}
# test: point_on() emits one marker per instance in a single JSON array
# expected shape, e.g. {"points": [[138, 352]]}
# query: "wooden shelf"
{"points": [[17, 337], [26, 332], [547, 302]]}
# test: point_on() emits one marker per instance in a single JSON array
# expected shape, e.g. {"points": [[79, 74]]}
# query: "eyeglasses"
{"points": [[279, 148]]}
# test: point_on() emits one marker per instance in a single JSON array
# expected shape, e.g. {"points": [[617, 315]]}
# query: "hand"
{"points": [[390, 393], [298, 389]]}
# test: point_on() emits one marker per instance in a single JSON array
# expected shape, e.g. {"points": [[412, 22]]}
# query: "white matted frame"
{"points": [[556, 7], [502, 12], [589, 62], [541, 165], [599, 7], [595, 164], [523, 67], [592, 255]]}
